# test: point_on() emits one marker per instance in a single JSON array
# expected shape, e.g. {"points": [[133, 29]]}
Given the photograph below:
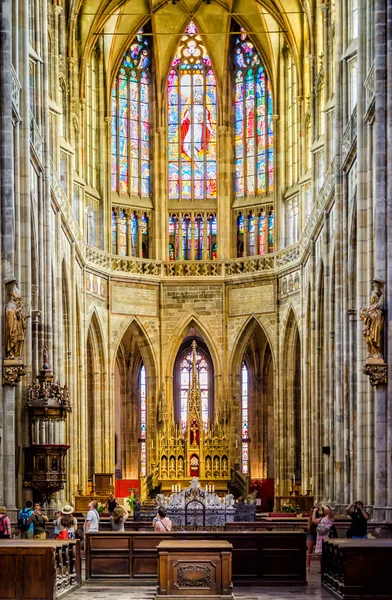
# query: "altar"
{"points": [[197, 448], [197, 507]]}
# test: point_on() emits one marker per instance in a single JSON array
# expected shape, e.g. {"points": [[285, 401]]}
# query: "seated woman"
{"points": [[117, 520], [161, 522]]}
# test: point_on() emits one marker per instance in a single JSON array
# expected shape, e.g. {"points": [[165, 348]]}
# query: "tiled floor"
{"points": [[312, 590]]}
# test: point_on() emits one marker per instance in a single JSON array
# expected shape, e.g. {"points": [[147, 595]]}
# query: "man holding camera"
{"points": [[359, 519]]}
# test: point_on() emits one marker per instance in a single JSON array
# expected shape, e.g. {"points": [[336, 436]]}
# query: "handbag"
{"points": [[322, 530], [63, 535]]}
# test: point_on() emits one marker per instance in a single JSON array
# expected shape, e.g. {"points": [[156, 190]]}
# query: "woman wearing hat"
{"points": [[67, 522]]}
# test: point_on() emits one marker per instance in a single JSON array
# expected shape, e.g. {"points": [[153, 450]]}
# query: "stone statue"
{"points": [[15, 325], [161, 404], [373, 318]]}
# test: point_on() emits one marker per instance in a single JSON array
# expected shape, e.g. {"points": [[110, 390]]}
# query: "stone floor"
{"points": [[105, 592]]}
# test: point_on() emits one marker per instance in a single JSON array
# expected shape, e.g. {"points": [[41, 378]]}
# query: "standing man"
{"points": [[111, 504], [359, 519], [91, 522], [39, 523]]}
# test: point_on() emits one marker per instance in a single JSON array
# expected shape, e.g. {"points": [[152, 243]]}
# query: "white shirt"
{"points": [[93, 517]]}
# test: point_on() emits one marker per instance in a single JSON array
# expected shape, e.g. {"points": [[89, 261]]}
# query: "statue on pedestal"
{"points": [[373, 318], [15, 325]]}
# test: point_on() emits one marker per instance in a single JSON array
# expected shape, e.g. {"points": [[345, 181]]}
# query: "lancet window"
{"points": [[185, 384], [192, 121], [255, 232], [253, 109], [143, 421], [193, 236], [131, 121], [245, 419], [130, 232], [292, 121]]}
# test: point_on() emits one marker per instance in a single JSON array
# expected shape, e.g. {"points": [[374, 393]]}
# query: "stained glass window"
{"points": [[130, 121], [271, 231], [253, 109], [192, 121], [186, 380], [245, 419], [143, 422], [212, 233], [292, 123], [173, 237], [199, 237], [262, 233], [193, 236], [251, 233]]}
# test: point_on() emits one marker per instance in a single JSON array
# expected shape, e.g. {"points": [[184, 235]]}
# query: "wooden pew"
{"points": [[259, 558], [353, 569], [39, 569]]}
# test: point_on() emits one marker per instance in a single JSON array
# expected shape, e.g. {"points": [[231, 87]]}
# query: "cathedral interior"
{"points": [[196, 230]]}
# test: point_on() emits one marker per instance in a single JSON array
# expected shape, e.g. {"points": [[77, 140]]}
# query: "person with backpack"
{"points": [[24, 524], [5, 524]]}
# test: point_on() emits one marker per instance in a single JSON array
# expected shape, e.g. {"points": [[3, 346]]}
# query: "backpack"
{"points": [[23, 520], [333, 533], [2, 526]]}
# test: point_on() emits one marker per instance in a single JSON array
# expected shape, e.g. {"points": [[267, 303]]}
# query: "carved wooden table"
{"points": [[194, 569]]}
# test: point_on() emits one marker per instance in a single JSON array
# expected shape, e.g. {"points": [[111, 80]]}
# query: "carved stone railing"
{"points": [[35, 138], [66, 209], [328, 185], [369, 88], [136, 266], [287, 255], [249, 265], [193, 268], [349, 136], [98, 258], [16, 88]]}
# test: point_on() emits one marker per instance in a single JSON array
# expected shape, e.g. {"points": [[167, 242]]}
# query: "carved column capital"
{"points": [[13, 370]]}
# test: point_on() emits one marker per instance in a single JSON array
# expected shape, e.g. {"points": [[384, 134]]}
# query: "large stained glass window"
{"points": [[186, 381], [143, 422], [245, 419], [253, 108], [192, 121], [130, 122]]}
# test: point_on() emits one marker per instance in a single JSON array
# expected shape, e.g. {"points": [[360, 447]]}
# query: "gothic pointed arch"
{"points": [[252, 406], [135, 401], [290, 424], [192, 116], [99, 430]]}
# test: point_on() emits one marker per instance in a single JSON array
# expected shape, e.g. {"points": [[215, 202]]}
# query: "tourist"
{"points": [[161, 522], [136, 509], [67, 523], [324, 525], [312, 535], [56, 529], [359, 519], [117, 520], [91, 522], [39, 523], [24, 524], [5, 524], [111, 504]]}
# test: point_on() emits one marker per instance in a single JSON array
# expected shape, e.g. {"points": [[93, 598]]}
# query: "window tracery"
{"points": [[131, 121], [245, 419], [185, 384], [130, 232], [143, 421], [193, 236], [253, 107], [192, 121], [255, 232]]}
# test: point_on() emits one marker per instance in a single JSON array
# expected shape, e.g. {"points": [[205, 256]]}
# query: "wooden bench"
{"points": [[39, 569], [259, 558], [353, 569]]}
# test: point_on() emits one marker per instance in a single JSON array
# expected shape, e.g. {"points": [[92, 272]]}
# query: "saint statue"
{"points": [[15, 325], [161, 403], [373, 318]]}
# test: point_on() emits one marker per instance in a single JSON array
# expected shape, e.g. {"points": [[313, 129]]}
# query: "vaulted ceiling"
{"points": [[272, 23]]}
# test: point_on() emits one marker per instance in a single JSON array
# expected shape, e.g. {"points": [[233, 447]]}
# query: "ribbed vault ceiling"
{"points": [[272, 23]]}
